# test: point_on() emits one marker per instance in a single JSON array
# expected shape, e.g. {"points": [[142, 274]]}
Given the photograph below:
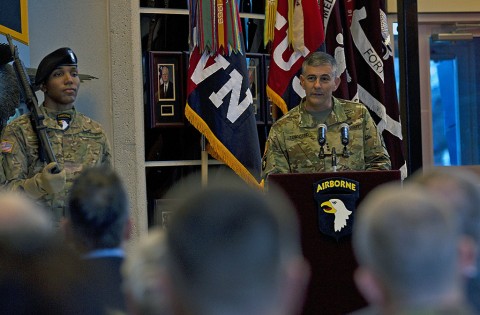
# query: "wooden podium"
{"points": [[332, 290]]}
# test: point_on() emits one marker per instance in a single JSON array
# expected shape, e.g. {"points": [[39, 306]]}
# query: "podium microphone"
{"points": [[322, 134], [322, 139], [344, 134], [345, 138]]}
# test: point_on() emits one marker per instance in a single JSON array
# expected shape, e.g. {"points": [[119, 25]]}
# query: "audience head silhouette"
{"points": [[232, 250], [406, 243]]}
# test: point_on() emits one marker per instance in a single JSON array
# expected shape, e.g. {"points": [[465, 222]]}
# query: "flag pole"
{"points": [[204, 163]]}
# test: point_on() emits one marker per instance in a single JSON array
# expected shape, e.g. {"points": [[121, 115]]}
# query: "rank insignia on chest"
{"points": [[336, 200]]}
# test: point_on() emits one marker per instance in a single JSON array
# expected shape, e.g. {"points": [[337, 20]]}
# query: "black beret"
{"points": [[60, 57]]}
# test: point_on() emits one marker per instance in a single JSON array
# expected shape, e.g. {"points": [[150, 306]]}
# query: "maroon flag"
{"points": [[357, 35], [295, 29]]}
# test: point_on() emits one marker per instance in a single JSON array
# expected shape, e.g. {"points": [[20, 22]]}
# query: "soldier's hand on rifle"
{"points": [[46, 182]]}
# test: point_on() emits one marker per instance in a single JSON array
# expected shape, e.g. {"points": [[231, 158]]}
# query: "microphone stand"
{"points": [[334, 159], [321, 154]]}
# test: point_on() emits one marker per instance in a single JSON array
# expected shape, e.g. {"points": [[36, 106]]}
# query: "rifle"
{"points": [[45, 150]]}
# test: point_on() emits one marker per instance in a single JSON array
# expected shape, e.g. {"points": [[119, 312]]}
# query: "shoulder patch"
{"points": [[7, 147]]}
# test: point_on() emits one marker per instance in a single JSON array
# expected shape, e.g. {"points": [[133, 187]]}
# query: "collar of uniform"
{"points": [[306, 120], [337, 115]]}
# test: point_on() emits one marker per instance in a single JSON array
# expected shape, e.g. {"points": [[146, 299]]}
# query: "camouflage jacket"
{"points": [[82, 144], [2, 173], [292, 145]]}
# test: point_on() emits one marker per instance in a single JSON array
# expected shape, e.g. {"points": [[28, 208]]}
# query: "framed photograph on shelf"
{"points": [[166, 95], [255, 69], [163, 211]]}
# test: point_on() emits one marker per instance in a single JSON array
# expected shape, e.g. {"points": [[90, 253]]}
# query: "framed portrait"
{"points": [[256, 84], [166, 99], [163, 211]]}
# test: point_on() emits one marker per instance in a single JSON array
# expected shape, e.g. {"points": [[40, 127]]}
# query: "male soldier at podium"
{"points": [[308, 138]]}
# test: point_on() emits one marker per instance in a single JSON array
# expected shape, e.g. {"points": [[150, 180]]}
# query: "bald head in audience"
{"points": [[22, 222]]}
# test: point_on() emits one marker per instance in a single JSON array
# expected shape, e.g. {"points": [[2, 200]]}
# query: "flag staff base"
{"points": [[204, 162]]}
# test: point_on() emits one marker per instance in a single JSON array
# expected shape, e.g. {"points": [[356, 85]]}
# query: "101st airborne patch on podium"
{"points": [[336, 200]]}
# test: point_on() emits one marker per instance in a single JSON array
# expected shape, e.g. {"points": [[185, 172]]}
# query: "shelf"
{"points": [[185, 12]]}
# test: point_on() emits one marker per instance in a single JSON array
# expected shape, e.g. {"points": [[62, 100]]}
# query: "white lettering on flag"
{"points": [[297, 87], [233, 85], [235, 109], [282, 47], [386, 122], [327, 12], [363, 44], [201, 73], [340, 55]]}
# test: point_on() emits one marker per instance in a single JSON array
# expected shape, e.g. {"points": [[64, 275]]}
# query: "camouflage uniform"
{"points": [[82, 144], [2, 173], [292, 144]]}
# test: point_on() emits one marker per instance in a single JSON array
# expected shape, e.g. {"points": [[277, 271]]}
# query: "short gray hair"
{"points": [[409, 239], [458, 187], [319, 58]]}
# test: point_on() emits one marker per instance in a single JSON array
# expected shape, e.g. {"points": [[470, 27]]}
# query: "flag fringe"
{"points": [[270, 18], [277, 100], [216, 148]]}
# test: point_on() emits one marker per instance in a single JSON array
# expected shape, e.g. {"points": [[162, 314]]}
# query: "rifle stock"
{"points": [[44, 147]]}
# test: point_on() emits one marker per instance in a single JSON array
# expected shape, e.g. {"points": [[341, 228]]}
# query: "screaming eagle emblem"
{"points": [[337, 208], [336, 202]]}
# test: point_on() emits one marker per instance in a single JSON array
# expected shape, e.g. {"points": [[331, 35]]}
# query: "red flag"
{"points": [[295, 35], [219, 103], [357, 35]]}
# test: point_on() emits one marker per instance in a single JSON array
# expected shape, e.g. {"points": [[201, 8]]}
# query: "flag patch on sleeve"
{"points": [[7, 147]]}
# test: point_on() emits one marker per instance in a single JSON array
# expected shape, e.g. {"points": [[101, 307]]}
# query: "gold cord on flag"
{"points": [[270, 16], [270, 20]]}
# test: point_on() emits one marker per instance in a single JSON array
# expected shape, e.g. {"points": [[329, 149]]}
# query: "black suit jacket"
{"points": [[169, 93]]}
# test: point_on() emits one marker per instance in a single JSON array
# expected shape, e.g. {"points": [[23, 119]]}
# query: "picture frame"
{"points": [[166, 89], [255, 69], [14, 19], [164, 208]]}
